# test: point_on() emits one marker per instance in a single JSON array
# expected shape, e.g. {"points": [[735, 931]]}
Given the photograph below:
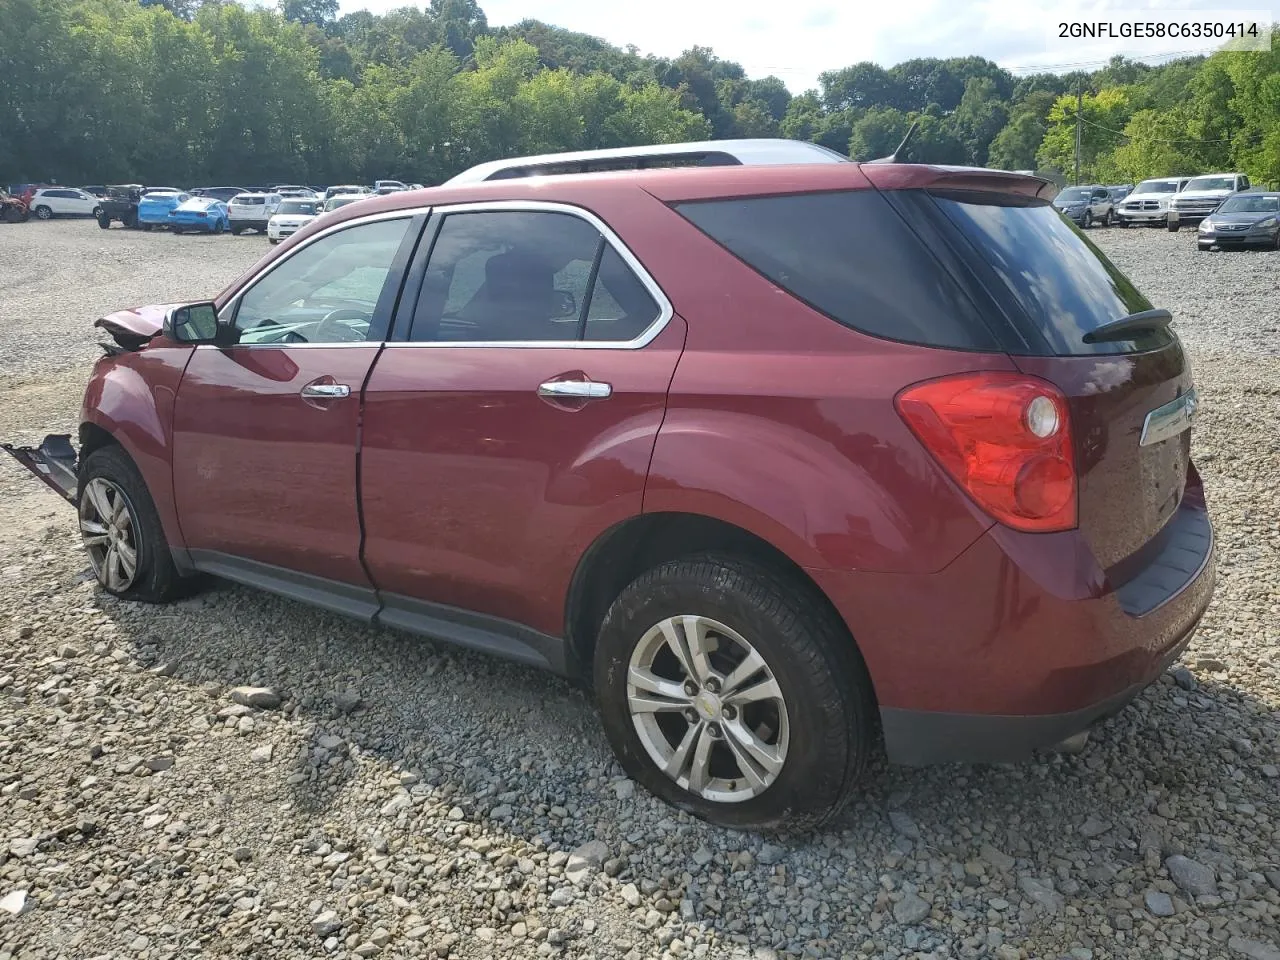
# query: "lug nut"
{"points": [[714, 730], [713, 685], [691, 715], [729, 711], [691, 688]]}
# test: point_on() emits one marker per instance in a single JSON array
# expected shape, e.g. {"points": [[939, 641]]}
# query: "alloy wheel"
{"points": [[707, 709], [107, 529]]}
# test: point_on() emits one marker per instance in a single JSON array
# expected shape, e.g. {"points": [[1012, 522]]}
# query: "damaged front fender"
{"points": [[54, 462]]}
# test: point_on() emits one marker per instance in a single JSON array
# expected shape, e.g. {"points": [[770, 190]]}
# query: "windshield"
{"points": [[1157, 186], [1074, 193], [1211, 183], [305, 207], [337, 202], [1246, 203]]}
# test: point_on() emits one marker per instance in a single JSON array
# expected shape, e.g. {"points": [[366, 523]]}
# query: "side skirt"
{"points": [[462, 628]]}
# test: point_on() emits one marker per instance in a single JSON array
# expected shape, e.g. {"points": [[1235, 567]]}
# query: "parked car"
{"points": [[98, 190], [218, 193], [293, 190], [251, 211], [1149, 202], [163, 190], [63, 202], [384, 187], [13, 209], [154, 207], [345, 189], [1201, 196], [203, 214], [1086, 206], [1243, 220], [845, 492], [342, 199], [1119, 191], [292, 215], [120, 205]]}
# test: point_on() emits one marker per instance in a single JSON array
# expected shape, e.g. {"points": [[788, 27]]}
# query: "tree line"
{"points": [[179, 91]]}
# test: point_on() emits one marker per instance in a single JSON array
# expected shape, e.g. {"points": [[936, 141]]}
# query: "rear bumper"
{"points": [[244, 223], [53, 462], [1023, 640]]}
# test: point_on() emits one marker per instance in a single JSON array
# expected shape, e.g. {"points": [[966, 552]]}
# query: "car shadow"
{"points": [[459, 728]]}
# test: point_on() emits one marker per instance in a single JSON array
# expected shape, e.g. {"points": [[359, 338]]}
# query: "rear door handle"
{"points": [[575, 389], [326, 391]]}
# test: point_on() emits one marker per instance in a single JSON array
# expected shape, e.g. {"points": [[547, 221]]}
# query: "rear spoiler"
{"points": [[896, 176]]}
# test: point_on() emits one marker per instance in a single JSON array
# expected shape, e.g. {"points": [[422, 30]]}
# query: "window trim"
{"points": [[402, 323], [415, 215]]}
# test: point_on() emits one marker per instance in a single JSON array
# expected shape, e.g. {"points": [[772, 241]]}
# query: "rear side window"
{"points": [[1054, 283], [851, 256]]}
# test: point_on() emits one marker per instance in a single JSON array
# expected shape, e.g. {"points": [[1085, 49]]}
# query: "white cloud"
{"points": [[797, 41]]}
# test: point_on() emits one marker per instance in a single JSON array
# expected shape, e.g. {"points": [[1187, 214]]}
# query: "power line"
{"points": [[1056, 67], [1084, 119]]}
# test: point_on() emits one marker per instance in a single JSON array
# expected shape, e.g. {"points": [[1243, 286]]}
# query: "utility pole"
{"points": [[1079, 110]]}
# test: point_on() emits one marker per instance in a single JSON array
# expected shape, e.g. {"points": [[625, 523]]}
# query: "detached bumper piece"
{"points": [[54, 462]]}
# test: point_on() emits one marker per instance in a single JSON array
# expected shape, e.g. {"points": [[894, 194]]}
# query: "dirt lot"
{"points": [[408, 800]]}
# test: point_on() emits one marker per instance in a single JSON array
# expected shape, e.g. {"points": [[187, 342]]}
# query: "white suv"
{"points": [[252, 211], [64, 202]]}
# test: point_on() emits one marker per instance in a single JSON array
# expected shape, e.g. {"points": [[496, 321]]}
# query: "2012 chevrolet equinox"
{"points": [[789, 460]]}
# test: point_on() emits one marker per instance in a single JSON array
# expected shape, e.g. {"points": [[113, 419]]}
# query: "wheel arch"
{"points": [[639, 543]]}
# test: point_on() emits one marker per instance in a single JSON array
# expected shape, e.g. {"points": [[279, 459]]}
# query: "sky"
{"points": [[799, 39]]}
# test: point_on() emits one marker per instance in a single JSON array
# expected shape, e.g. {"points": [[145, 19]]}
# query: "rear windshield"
{"points": [[1156, 186], [851, 256], [249, 201], [306, 207], [1054, 283]]}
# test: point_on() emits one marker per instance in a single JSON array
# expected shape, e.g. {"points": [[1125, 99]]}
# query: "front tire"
{"points": [[43, 213], [1087, 222], [1174, 226], [733, 693], [104, 221], [121, 530]]}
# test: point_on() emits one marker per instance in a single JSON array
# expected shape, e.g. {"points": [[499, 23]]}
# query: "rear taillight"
{"points": [[1005, 438]]}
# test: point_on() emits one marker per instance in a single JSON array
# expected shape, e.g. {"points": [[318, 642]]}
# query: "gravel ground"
{"points": [[398, 799]]}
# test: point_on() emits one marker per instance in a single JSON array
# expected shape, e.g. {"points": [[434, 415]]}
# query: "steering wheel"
{"points": [[331, 328]]}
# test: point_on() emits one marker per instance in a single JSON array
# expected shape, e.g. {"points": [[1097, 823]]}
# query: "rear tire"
{"points": [[819, 731], [1087, 222], [235, 231], [104, 222], [109, 481], [43, 213], [1174, 226]]}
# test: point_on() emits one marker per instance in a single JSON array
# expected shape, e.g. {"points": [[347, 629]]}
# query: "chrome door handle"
{"points": [[580, 389], [326, 391]]}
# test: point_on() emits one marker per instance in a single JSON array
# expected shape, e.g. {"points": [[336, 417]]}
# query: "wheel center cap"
{"points": [[707, 704]]}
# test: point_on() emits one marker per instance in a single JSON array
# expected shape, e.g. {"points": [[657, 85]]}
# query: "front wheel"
{"points": [[235, 231], [1174, 225], [43, 213], [121, 530], [1106, 219], [1087, 222], [730, 692], [104, 221]]}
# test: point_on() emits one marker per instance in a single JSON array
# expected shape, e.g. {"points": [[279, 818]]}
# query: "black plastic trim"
{"points": [[53, 463], [332, 595], [1186, 545], [475, 631]]}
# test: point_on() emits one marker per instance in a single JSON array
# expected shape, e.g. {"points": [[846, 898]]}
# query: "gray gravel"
{"points": [[366, 794]]}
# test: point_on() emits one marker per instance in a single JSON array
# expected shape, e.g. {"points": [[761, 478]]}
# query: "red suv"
{"points": [[787, 460]]}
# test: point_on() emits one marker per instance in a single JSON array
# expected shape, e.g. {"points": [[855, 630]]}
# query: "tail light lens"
{"points": [[1005, 438]]}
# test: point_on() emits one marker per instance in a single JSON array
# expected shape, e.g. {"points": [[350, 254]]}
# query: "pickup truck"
{"points": [[120, 205], [1202, 195]]}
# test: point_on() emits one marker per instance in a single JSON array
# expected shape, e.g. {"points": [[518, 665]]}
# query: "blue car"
{"points": [[206, 214], [154, 207]]}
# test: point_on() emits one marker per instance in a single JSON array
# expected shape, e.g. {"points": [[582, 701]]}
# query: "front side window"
{"points": [[326, 292], [528, 276]]}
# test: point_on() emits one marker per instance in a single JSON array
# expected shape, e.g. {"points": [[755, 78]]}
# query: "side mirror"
{"points": [[564, 303], [192, 323]]}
